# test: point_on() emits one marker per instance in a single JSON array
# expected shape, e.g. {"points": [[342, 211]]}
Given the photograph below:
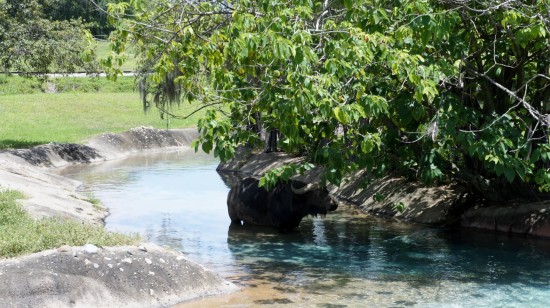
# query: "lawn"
{"points": [[30, 119], [78, 108], [11, 84]]}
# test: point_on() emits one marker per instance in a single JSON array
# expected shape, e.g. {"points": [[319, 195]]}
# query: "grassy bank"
{"points": [[20, 234], [11, 84], [32, 119]]}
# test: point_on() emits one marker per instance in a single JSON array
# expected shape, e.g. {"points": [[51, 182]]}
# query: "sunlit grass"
{"points": [[30, 119], [20, 234], [19, 85], [92, 84], [12, 84]]}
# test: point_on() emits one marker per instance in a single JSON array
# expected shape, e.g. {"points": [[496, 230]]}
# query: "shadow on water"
{"points": [[348, 246]]}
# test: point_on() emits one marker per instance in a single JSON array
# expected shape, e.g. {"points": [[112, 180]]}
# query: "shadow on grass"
{"points": [[6, 144]]}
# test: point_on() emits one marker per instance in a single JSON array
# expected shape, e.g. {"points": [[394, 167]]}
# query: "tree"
{"points": [[90, 12], [433, 90], [31, 42]]}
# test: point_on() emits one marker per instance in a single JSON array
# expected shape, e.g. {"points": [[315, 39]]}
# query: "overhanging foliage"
{"points": [[433, 90]]}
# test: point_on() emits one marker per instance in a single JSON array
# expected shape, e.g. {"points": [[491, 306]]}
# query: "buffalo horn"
{"points": [[309, 187]]}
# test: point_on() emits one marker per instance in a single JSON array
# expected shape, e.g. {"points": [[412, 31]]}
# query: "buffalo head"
{"points": [[283, 207], [314, 199]]}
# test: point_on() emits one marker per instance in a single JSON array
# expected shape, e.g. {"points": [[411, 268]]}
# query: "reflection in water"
{"points": [[167, 234], [348, 258], [400, 265]]}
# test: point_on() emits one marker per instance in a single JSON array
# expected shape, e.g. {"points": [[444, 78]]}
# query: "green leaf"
{"points": [[207, 146], [299, 58], [195, 145], [341, 116], [381, 70], [367, 145], [510, 174], [418, 113], [348, 4]]}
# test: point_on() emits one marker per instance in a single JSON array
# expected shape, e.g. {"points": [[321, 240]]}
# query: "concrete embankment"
{"points": [[50, 195], [147, 276], [87, 276], [449, 205]]}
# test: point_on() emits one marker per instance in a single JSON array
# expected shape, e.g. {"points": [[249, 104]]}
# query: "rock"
{"points": [[64, 248], [71, 284], [142, 248], [439, 206], [526, 218], [68, 282], [448, 205], [90, 249]]}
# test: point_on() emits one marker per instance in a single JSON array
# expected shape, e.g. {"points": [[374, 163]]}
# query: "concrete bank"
{"points": [[50, 195], [147, 276], [449, 205]]}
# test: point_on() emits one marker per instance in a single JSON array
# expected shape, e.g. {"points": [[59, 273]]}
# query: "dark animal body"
{"points": [[283, 207]]}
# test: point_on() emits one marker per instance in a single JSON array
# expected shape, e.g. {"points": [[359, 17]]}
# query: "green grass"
{"points": [[29, 85], [19, 85], [20, 234], [30, 119], [92, 84]]}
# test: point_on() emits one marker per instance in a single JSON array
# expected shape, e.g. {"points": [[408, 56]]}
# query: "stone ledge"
{"points": [[422, 204], [126, 276], [520, 218]]}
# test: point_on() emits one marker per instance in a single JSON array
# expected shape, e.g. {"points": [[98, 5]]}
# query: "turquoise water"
{"points": [[345, 259]]}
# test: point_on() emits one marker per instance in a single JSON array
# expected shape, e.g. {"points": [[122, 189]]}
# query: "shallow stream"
{"points": [[347, 259]]}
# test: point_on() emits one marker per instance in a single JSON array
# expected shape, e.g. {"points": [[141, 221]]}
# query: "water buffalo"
{"points": [[283, 207]]}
